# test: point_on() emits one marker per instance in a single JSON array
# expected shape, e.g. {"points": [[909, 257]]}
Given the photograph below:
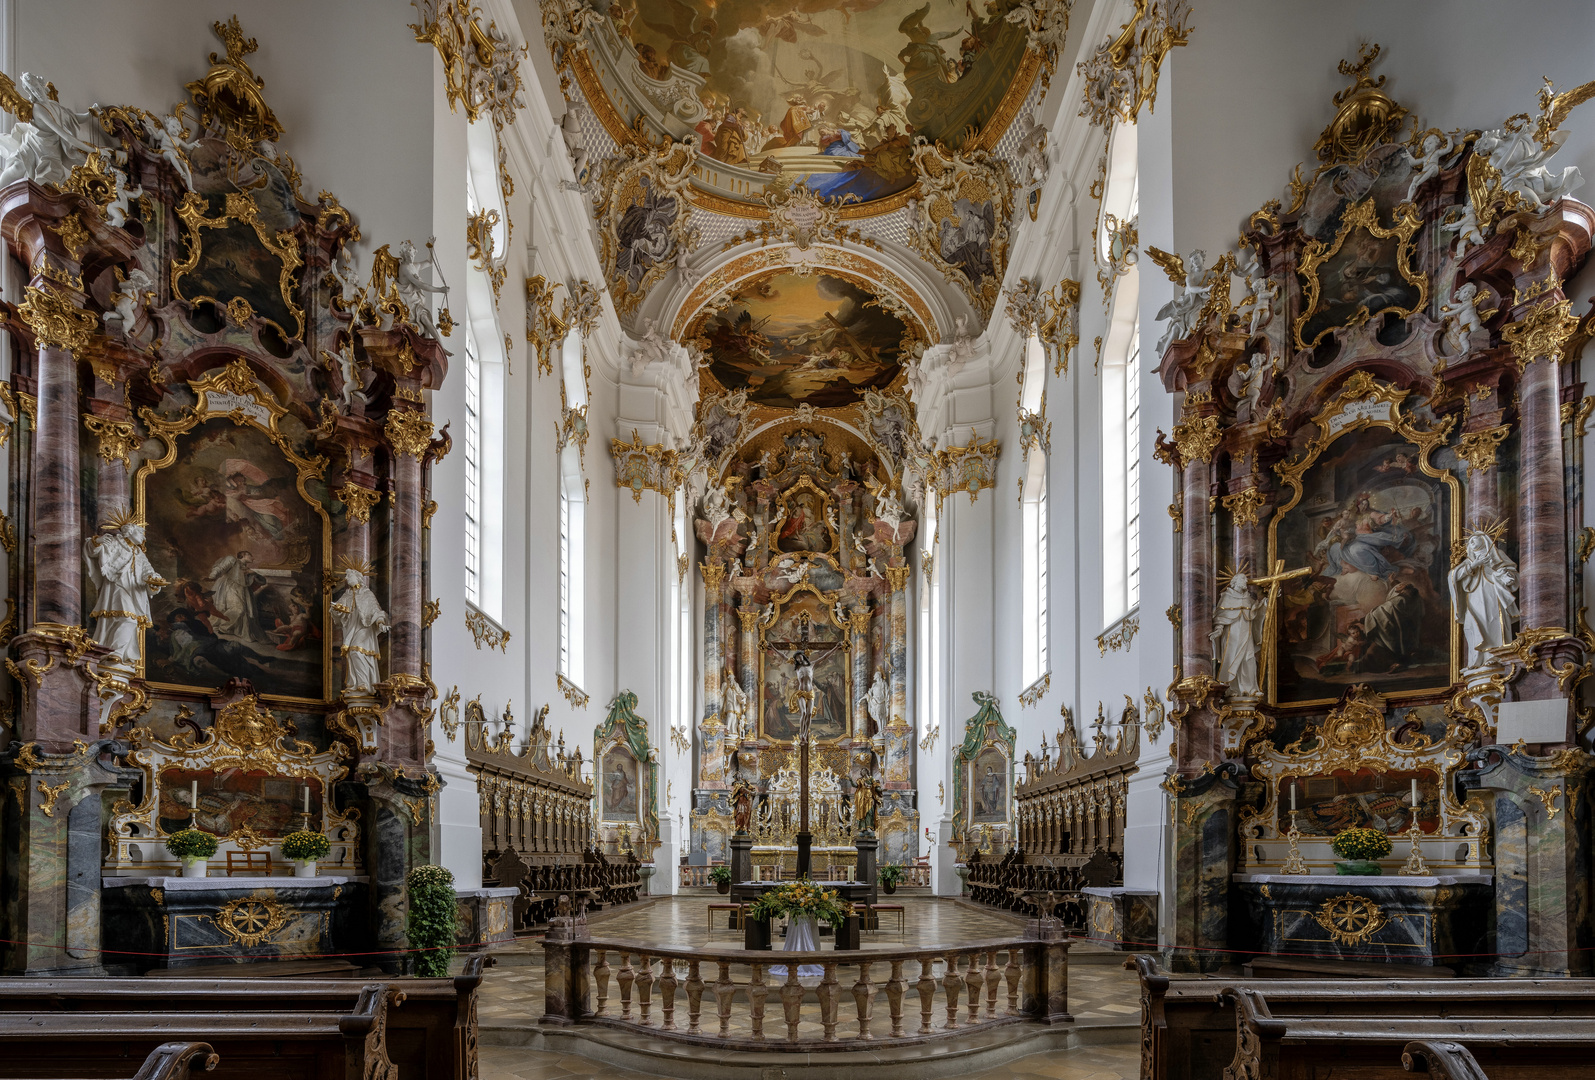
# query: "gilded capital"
{"points": [[897, 577], [1542, 331], [55, 320], [749, 618], [359, 500], [409, 432], [714, 572], [118, 438]]}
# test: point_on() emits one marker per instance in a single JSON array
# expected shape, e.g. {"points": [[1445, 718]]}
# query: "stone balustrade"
{"points": [[959, 989]]}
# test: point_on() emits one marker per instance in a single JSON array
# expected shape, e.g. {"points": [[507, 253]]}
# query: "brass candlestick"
{"points": [[1415, 867], [1294, 864]]}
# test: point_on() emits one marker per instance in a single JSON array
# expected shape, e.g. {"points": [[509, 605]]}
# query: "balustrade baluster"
{"points": [[894, 997], [601, 980], [724, 990], [694, 996], [792, 1001], [864, 998], [667, 993], [1012, 973], [757, 991], [626, 977], [972, 980], [829, 993], [927, 992], [993, 976], [645, 981], [953, 985]]}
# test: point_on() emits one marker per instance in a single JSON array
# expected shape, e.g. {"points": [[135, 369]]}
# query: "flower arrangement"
{"points": [[191, 844], [305, 846], [802, 900], [433, 915], [1361, 845]]}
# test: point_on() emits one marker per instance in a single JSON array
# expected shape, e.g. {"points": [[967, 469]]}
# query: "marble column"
{"points": [[748, 658], [1542, 530], [1204, 860], [1196, 572], [711, 766], [899, 732]]}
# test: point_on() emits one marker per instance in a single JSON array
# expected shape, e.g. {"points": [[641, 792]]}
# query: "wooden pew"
{"points": [[1445, 1060], [1188, 1028], [175, 1060], [432, 1035], [260, 1045], [1344, 1047]]}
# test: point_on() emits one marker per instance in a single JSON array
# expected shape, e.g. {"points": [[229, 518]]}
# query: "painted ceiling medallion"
{"points": [[794, 339], [832, 92]]}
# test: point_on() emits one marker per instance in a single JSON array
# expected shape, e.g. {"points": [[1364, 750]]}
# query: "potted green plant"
{"points": [[890, 876], [721, 876], [193, 848], [433, 920], [304, 848], [1360, 848]]}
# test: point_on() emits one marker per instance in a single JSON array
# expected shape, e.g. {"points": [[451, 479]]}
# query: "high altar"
{"points": [[805, 532], [220, 468]]}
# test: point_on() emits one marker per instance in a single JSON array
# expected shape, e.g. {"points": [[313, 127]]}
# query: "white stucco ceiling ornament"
{"points": [[642, 215], [801, 218], [961, 223]]}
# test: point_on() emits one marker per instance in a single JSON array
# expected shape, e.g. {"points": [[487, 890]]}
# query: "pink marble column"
{"points": [[57, 541], [1196, 573], [406, 582], [1542, 522]]}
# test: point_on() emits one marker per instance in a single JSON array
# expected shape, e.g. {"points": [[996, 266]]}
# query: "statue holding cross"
{"points": [[1235, 632]]}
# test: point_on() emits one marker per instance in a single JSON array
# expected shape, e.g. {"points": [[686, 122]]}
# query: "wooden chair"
{"points": [[252, 863], [736, 911], [876, 909]]}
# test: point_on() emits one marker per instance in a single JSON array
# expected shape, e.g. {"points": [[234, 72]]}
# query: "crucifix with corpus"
{"points": [[800, 700], [1271, 611], [1235, 639]]}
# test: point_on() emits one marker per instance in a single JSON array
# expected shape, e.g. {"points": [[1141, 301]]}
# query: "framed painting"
{"points": [[231, 523], [619, 785], [803, 627], [1362, 798], [1374, 520], [988, 787], [1365, 272], [267, 804], [236, 261]]}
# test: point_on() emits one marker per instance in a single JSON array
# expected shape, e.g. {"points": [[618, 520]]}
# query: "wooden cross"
{"points": [[1270, 615]]}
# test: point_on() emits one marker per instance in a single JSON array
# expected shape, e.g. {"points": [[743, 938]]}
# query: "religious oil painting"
{"points": [[233, 799], [988, 787], [619, 784], [244, 553], [1367, 798], [834, 90], [803, 528], [1375, 530], [814, 339], [644, 234]]}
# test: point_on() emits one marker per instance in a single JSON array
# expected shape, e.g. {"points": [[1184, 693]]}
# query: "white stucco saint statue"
{"points": [[361, 621], [877, 699], [1484, 598], [413, 290], [733, 706], [1521, 158], [1235, 639], [47, 147], [123, 582], [716, 506]]}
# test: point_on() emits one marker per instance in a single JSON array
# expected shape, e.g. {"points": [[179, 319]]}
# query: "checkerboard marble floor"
{"points": [[512, 992]]}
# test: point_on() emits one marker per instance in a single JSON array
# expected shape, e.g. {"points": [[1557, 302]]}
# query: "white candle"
{"points": [[1293, 797], [193, 795], [1414, 792], [307, 798]]}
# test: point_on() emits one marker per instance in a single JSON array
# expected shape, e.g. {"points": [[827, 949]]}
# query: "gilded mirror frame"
{"points": [[240, 207]]}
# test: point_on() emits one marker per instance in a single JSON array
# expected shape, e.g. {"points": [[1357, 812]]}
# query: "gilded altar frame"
{"points": [[239, 207], [1363, 402], [235, 392], [984, 731], [1315, 253], [805, 483], [828, 601], [245, 737]]}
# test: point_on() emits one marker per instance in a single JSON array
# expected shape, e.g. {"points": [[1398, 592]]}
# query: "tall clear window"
{"points": [[681, 603], [572, 566], [929, 696], [1132, 472], [1035, 561], [473, 471]]}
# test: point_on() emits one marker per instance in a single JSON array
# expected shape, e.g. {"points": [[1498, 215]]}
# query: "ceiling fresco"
{"points": [[836, 90], [791, 340]]}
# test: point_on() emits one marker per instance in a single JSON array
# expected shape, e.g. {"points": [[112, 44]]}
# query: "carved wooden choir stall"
{"points": [[220, 457]]}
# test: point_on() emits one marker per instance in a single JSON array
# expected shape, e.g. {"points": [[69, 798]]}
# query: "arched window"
{"points": [[1035, 557], [681, 636], [1121, 391], [572, 566], [484, 405], [929, 626]]}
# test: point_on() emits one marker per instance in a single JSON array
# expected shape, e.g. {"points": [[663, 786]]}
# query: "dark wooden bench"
{"points": [[1445, 1060], [175, 1060], [1342, 1047], [431, 1036], [251, 1045], [1189, 1028]]}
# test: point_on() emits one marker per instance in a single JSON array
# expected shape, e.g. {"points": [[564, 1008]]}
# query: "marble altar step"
{"points": [[1287, 967]]}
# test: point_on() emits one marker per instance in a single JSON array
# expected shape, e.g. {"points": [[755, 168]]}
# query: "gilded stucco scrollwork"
{"points": [[1122, 74]]}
